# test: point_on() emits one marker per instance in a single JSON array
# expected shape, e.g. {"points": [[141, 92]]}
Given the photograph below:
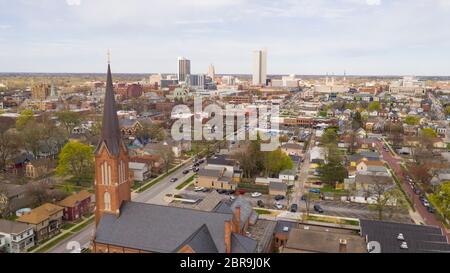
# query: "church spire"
{"points": [[110, 135]]}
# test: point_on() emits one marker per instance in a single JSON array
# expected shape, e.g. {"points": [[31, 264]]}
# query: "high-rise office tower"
{"points": [[260, 67], [184, 68], [211, 72]]}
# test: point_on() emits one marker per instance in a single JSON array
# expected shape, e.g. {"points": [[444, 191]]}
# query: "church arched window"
{"points": [[107, 200]]}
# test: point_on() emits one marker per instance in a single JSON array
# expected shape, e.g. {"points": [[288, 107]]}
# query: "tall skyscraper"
{"points": [[211, 72], [184, 68], [260, 67]]}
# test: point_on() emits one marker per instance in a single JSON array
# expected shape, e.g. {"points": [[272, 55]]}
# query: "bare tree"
{"points": [[167, 156], [387, 198]]}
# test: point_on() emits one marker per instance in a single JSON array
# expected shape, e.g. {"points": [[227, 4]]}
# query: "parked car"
{"points": [[241, 192], [206, 190], [316, 191], [278, 206], [260, 203], [174, 180], [230, 192], [221, 191], [317, 183], [303, 198], [198, 189], [196, 170], [430, 209], [294, 208], [318, 208], [256, 194], [279, 197], [201, 161], [186, 171]]}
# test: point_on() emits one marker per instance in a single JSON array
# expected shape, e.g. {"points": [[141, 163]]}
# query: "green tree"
{"points": [[25, 117], [357, 121], [447, 109], [76, 159], [428, 133], [69, 120], [333, 171], [329, 136], [157, 132], [412, 120], [374, 106], [441, 198], [277, 161]]}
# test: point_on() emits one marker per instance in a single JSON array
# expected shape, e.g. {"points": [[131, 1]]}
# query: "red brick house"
{"points": [[76, 205]]}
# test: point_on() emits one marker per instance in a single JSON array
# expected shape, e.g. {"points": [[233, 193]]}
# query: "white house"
{"points": [[140, 171], [15, 237]]}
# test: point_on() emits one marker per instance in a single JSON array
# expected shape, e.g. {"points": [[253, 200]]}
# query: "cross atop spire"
{"points": [[109, 56]]}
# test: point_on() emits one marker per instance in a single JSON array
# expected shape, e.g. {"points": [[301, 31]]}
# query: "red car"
{"points": [[241, 192]]}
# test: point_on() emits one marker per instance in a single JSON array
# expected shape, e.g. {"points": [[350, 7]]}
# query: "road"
{"points": [[154, 195], [429, 218]]}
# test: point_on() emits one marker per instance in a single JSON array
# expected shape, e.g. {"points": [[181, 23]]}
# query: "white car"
{"points": [[197, 189], [256, 194], [278, 206]]}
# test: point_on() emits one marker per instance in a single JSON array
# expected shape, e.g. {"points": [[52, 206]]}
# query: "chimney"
{"points": [[342, 246], [237, 220], [227, 236]]}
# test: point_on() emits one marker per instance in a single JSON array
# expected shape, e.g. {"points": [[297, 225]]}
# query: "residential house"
{"points": [[292, 149], [76, 205], [15, 237], [154, 162], [363, 188], [129, 127], [45, 220], [39, 167], [18, 197], [215, 179], [278, 188], [139, 171], [371, 167]]}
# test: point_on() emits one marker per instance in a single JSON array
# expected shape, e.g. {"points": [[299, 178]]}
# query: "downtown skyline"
{"points": [[362, 37]]}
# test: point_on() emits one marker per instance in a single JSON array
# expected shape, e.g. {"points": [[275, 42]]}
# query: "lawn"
{"points": [[263, 212], [333, 220], [185, 183]]}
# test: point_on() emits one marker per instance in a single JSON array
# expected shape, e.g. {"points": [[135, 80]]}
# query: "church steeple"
{"points": [[110, 135], [112, 179]]}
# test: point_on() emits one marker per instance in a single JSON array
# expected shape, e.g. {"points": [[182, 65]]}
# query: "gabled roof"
{"points": [[40, 214], [164, 229], [12, 227], [110, 135], [72, 200], [200, 241]]}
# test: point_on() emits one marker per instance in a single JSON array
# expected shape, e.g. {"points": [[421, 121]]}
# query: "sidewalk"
{"points": [[63, 235]]}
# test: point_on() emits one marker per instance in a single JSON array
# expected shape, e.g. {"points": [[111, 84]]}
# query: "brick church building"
{"points": [[124, 226]]}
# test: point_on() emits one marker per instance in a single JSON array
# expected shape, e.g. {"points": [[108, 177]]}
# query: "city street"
{"points": [[428, 218], [154, 195]]}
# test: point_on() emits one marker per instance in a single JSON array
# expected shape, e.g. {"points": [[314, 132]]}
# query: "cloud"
{"points": [[73, 2], [373, 2]]}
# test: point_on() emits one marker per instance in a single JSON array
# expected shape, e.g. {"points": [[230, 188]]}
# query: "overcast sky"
{"points": [[365, 37]]}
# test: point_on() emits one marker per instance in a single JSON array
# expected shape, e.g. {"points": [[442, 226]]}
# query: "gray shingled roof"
{"points": [[162, 229], [201, 241], [11, 227], [420, 239]]}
